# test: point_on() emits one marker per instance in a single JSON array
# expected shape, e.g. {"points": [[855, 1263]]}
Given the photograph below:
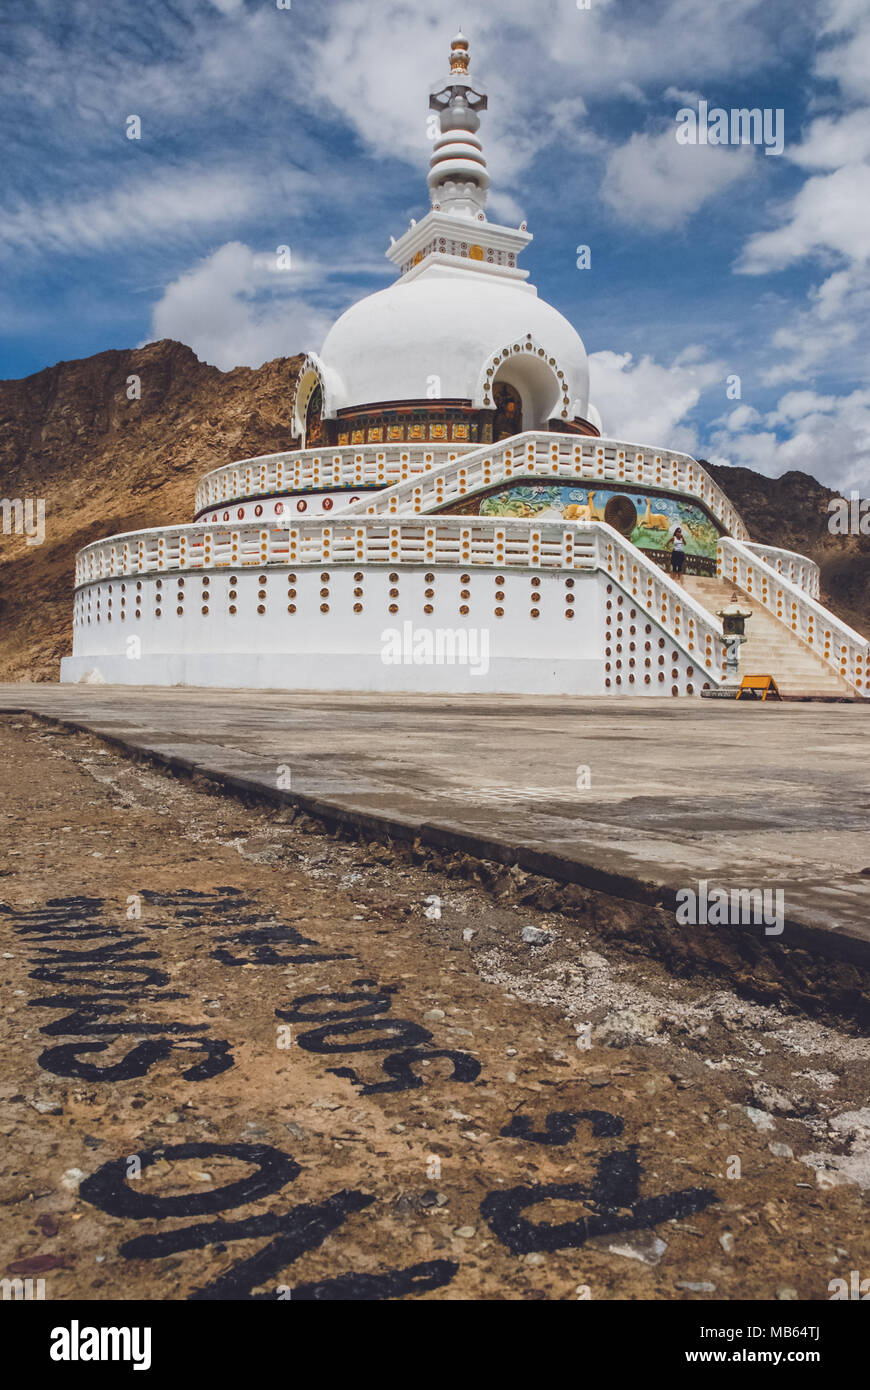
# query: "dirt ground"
{"points": [[244, 1058]]}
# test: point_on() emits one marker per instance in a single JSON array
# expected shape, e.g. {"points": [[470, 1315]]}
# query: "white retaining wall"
{"points": [[323, 628]]}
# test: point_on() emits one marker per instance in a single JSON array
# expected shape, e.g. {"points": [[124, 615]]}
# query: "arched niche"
{"points": [[536, 378], [310, 405]]}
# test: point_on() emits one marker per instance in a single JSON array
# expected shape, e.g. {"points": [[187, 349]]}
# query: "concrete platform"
{"points": [[744, 795]]}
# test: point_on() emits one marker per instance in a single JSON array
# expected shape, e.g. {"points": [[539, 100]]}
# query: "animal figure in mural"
{"points": [[579, 512], [654, 521]]}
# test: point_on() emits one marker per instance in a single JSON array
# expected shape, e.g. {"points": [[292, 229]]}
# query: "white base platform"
{"points": [[439, 632]]}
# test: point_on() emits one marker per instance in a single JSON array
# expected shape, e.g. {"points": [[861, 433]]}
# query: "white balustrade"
{"points": [[319, 470], [419, 477], [553, 458], [799, 569]]}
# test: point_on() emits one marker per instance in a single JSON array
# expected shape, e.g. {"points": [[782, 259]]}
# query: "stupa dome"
{"points": [[437, 335]]}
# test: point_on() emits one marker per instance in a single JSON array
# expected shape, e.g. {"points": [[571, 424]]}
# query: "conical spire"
{"points": [[458, 179]]}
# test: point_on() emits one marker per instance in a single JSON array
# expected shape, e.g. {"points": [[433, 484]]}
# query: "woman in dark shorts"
{"points": [[678, 552]]}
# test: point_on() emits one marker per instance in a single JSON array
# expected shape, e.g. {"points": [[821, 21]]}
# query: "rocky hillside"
{"points": [[105, 464]]}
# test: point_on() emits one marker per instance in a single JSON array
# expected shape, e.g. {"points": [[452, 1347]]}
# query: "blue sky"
{"points": [[306, 127]]}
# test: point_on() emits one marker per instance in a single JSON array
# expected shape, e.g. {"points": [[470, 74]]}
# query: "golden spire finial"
{"points": [[459, 56]]}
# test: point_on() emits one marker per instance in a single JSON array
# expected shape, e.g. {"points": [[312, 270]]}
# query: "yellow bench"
{"points": [[751, 685]]}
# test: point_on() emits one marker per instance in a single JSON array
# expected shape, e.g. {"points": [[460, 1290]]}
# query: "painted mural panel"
{"points": [[646, 520]]}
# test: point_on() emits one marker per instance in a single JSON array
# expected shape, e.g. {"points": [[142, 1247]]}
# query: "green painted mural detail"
{"points": [[648, 522]]}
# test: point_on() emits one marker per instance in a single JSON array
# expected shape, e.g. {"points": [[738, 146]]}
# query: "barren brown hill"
{"points": [[106, 464]]}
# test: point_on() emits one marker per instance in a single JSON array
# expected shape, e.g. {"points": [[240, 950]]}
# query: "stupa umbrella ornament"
{"points": [[458, 178], [734, 632]]}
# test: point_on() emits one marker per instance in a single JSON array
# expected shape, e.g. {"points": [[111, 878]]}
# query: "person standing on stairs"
{"points": [[678, 554]]}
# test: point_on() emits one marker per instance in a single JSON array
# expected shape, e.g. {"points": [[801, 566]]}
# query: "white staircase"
{"points": [[773, 649]]}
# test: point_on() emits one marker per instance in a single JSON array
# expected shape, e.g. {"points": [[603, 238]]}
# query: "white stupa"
{"points": [[440, 331], [452, 519]]}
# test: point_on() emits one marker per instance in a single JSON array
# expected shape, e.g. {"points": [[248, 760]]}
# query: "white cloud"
{"points": [[797, 405], [647, 402], [235, 308], [141, 209], [832, 141], [829, 438], [829, 334], [848, 61], [739, 418], [828, 219], [682, 95], [830, 213], [656, 182], [505, 208]]}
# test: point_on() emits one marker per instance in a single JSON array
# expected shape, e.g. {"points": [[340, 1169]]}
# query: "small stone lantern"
{"points": [[734, 631]]}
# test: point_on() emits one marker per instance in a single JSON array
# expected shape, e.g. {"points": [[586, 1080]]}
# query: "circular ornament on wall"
{"points": [[621, 514]]}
